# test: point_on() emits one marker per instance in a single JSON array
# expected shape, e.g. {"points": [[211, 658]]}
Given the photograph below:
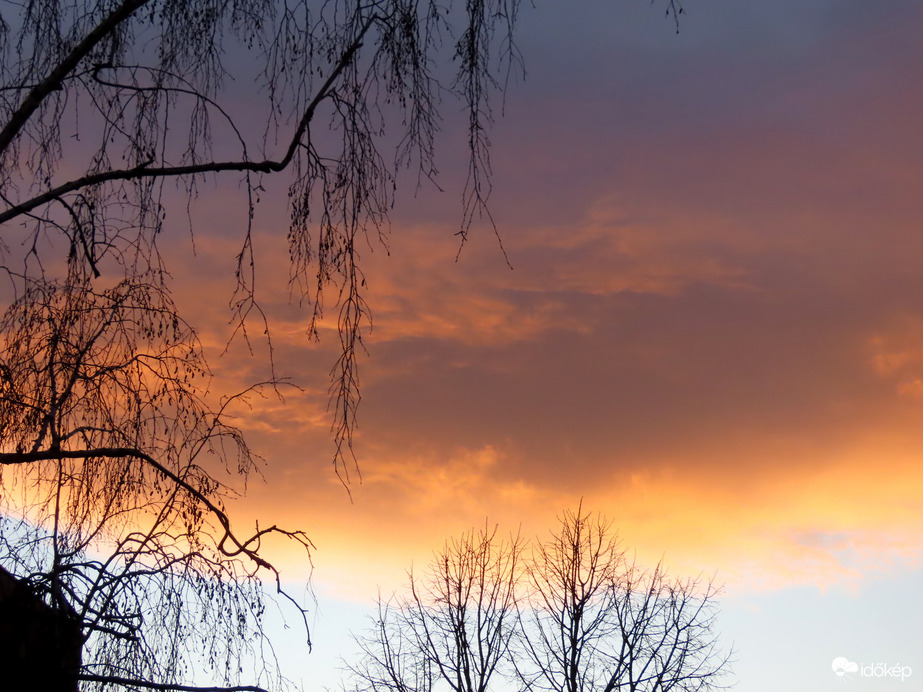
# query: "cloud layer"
{"points": [[712, 330]]}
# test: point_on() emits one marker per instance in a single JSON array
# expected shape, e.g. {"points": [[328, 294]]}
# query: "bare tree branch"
{"points": [[68, 63], [127, 682], [576, 616]]}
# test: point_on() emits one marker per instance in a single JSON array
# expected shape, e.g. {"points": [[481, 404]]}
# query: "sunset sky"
{"points": [[712, 332]]}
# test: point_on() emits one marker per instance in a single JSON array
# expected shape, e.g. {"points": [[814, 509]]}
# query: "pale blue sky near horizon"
{"points": [[782, 639]]}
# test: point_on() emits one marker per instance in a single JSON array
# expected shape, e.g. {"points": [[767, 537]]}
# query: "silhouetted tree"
{"points": [[456, 626], [121, 524], [577, 616], [595, 621]]}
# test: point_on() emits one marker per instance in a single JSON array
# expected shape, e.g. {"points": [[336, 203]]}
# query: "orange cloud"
{"points": [[839, 523], [897, 356]]}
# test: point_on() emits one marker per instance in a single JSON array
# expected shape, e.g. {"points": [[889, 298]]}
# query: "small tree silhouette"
{"points": [[595, 621], [456, 626]]}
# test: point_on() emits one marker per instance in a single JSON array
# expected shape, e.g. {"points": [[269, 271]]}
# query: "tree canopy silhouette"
{"points": [[455, 627], [592, 619], [575, 615]]}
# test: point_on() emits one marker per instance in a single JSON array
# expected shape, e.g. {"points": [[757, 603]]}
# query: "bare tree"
{"points": [[121, 526], [577, 616], [456, 626], [595, 621], [571, 579]]}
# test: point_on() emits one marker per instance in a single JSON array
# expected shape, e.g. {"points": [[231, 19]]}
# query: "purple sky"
{"points": [[712, 331]]}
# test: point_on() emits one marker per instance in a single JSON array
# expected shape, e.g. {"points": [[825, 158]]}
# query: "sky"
{"points": [[709, 329]]}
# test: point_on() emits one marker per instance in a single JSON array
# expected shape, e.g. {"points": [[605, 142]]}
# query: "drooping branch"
{"points": [[17, 458], [137, 173], [54, 80], [146, 171], [164, 687]]}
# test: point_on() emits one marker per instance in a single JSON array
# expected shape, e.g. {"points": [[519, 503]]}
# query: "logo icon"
{"points": [[843, 666]]}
